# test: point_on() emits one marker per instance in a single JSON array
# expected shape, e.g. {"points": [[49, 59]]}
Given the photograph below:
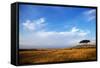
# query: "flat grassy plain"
{"points": [[33, 56]]}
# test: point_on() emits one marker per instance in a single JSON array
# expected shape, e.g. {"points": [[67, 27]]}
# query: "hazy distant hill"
{"points": [[54, 49], [85, 46]]}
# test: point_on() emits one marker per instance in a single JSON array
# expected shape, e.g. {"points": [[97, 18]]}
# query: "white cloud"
{"points": [[91, 18], [90, 15], [28, 25], [90, 12], [40, 21], [74, 29], [52, 39], [79, 31], [34, 25]]}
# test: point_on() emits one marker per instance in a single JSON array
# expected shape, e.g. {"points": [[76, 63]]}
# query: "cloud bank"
{"points": [[49, 39]]}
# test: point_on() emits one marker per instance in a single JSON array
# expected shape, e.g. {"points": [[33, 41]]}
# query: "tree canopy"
{"points": [[84, 41]]}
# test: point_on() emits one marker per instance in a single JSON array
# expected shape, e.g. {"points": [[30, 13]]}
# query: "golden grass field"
{"points": [[57, 55]]}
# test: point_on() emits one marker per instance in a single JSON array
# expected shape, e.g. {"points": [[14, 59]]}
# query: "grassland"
{"points": [[32, 56]]}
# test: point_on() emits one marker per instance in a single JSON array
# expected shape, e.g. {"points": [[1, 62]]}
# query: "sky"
{"points": [[55, 26]]}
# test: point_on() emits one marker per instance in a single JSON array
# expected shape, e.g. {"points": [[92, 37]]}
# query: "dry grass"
{"points": [[56, 55]]}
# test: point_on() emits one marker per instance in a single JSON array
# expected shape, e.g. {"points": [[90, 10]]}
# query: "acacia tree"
{"points": [[84, 41]]}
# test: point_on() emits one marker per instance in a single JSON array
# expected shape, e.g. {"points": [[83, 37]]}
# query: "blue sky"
{"points": [[49, 23]]}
